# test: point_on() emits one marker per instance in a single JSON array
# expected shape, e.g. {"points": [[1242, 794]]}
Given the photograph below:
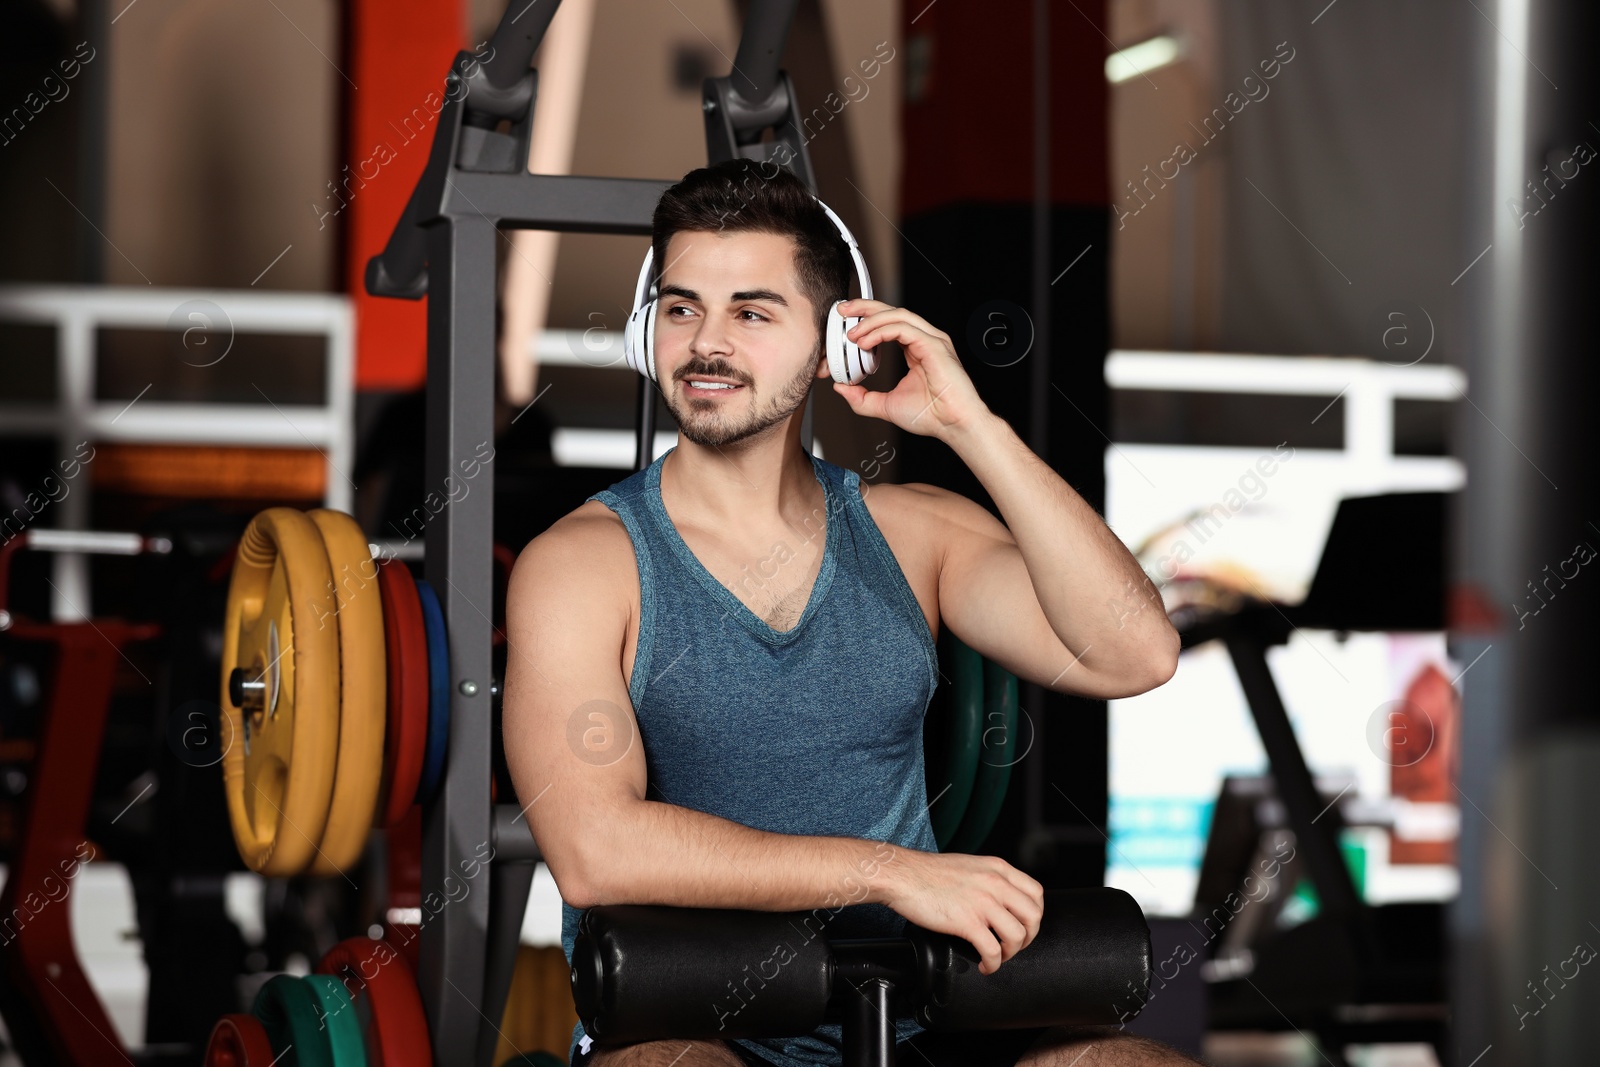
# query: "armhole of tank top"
{"points": [[643, 643], [886, 558]]}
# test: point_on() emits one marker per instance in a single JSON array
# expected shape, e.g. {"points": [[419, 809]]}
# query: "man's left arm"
{"points": [[1052, 594], [1053, 571]]}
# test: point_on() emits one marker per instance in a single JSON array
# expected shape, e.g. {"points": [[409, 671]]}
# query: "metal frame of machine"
{"points": [[475, 183]]}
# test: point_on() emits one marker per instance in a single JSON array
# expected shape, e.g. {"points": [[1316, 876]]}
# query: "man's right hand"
{"points": [[980, 898]]}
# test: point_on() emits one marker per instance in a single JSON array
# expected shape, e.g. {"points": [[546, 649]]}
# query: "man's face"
{"points": [[730, 310]]}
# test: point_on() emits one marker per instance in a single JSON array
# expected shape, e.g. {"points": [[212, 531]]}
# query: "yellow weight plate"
{"points": [[278, 772], [359, 775]]}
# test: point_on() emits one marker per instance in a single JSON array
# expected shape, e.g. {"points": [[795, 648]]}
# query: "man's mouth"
{"points": [[709, 387]]}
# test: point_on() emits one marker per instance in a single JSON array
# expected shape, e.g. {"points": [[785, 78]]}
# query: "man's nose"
{"points": [[710, 336]]}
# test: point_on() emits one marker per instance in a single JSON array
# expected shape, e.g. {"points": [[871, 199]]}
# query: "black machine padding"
{"points": [[1089, 965]]}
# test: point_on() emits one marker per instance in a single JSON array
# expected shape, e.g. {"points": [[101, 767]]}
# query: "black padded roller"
{"points": [[1089, 964], [643, 972]]}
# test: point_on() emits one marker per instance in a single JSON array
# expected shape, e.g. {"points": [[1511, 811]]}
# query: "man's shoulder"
{"points": [[590, 541], [908, 502], [589, 525]]}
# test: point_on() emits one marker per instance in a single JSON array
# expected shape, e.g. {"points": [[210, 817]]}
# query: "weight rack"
{"points": [[475, 183]]}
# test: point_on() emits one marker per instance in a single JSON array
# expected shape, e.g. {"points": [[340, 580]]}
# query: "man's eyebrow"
{"points": [[743, 294], [761, 294]]}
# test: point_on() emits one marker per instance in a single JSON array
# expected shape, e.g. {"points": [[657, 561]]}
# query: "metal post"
{"points": [[70, 597], [514, 41], [1529, 866], [509, 886], [1296, 788], [755, 65], [643, 452], [868, 1027], [460, 421], [867, 972]]}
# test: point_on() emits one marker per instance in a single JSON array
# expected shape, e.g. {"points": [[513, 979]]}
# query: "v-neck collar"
{"points": [[719, 592]]}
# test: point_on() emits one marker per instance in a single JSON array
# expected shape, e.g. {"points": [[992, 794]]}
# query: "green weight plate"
{"points": [[994, 764], [340, 1018], [289, 1010], [953, 788]]}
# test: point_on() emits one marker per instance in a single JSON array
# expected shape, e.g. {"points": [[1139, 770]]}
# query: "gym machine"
{"points": [[44, 994], [1380, 970]]}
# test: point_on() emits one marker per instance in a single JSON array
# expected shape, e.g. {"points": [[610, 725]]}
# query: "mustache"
{"points": [[712, 372]]}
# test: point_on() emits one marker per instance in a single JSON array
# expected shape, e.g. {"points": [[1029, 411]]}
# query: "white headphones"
{"points": [[847, 362]]}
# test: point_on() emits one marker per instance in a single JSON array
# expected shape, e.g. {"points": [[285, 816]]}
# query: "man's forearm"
{"points": [[1090, 587], [655, 853]]}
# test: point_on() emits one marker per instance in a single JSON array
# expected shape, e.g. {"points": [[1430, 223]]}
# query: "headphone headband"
{"points": [[640, 290], [855, 251], [644, 288]]}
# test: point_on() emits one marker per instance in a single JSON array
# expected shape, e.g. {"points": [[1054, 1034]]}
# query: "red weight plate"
{"points": [[406, 738], [381, 983], [405, 887], [238, 1041]]}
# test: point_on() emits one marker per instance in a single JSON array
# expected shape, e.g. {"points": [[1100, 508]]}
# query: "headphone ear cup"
{"points": [[638, 340], [868, 358], [649, 325], [630, 341], [846, 361], [838, 359]]}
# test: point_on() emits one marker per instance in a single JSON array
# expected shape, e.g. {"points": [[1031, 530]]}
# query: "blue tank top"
{"points": [[816, 730]]}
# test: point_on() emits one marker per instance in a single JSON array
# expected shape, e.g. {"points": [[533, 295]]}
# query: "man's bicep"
{"points": [[571, 740], [987, 598]]}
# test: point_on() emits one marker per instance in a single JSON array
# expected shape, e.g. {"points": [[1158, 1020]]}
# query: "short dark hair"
{"points": [[743, 195]]}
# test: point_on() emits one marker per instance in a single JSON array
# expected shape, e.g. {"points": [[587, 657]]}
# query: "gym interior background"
{"points": [[1293, 292]]}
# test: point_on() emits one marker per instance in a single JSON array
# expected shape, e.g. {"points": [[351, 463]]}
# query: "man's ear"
{"points": [[822, 358]]}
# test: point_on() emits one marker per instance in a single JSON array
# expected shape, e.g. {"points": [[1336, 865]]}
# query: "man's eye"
{"points": [[678, 307], [759, 316]]}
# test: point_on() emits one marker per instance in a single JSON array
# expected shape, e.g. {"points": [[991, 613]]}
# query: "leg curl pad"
{"points": [[649, 972], [645, 972], [1089, 965]]}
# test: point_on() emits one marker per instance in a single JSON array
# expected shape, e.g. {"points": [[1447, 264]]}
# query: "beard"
{"points": [[711, 423]]}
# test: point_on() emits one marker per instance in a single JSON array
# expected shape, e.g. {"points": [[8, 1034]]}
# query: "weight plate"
{"points": [[238, 1041], [340, 1019], [406, 738], [278, 634], [999, 746], [362, 676], [964, 743], [292, 1015], [438, 691], [384, 989]]}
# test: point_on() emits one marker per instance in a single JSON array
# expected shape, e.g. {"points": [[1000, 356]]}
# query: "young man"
{"points": [[719, 667]]}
